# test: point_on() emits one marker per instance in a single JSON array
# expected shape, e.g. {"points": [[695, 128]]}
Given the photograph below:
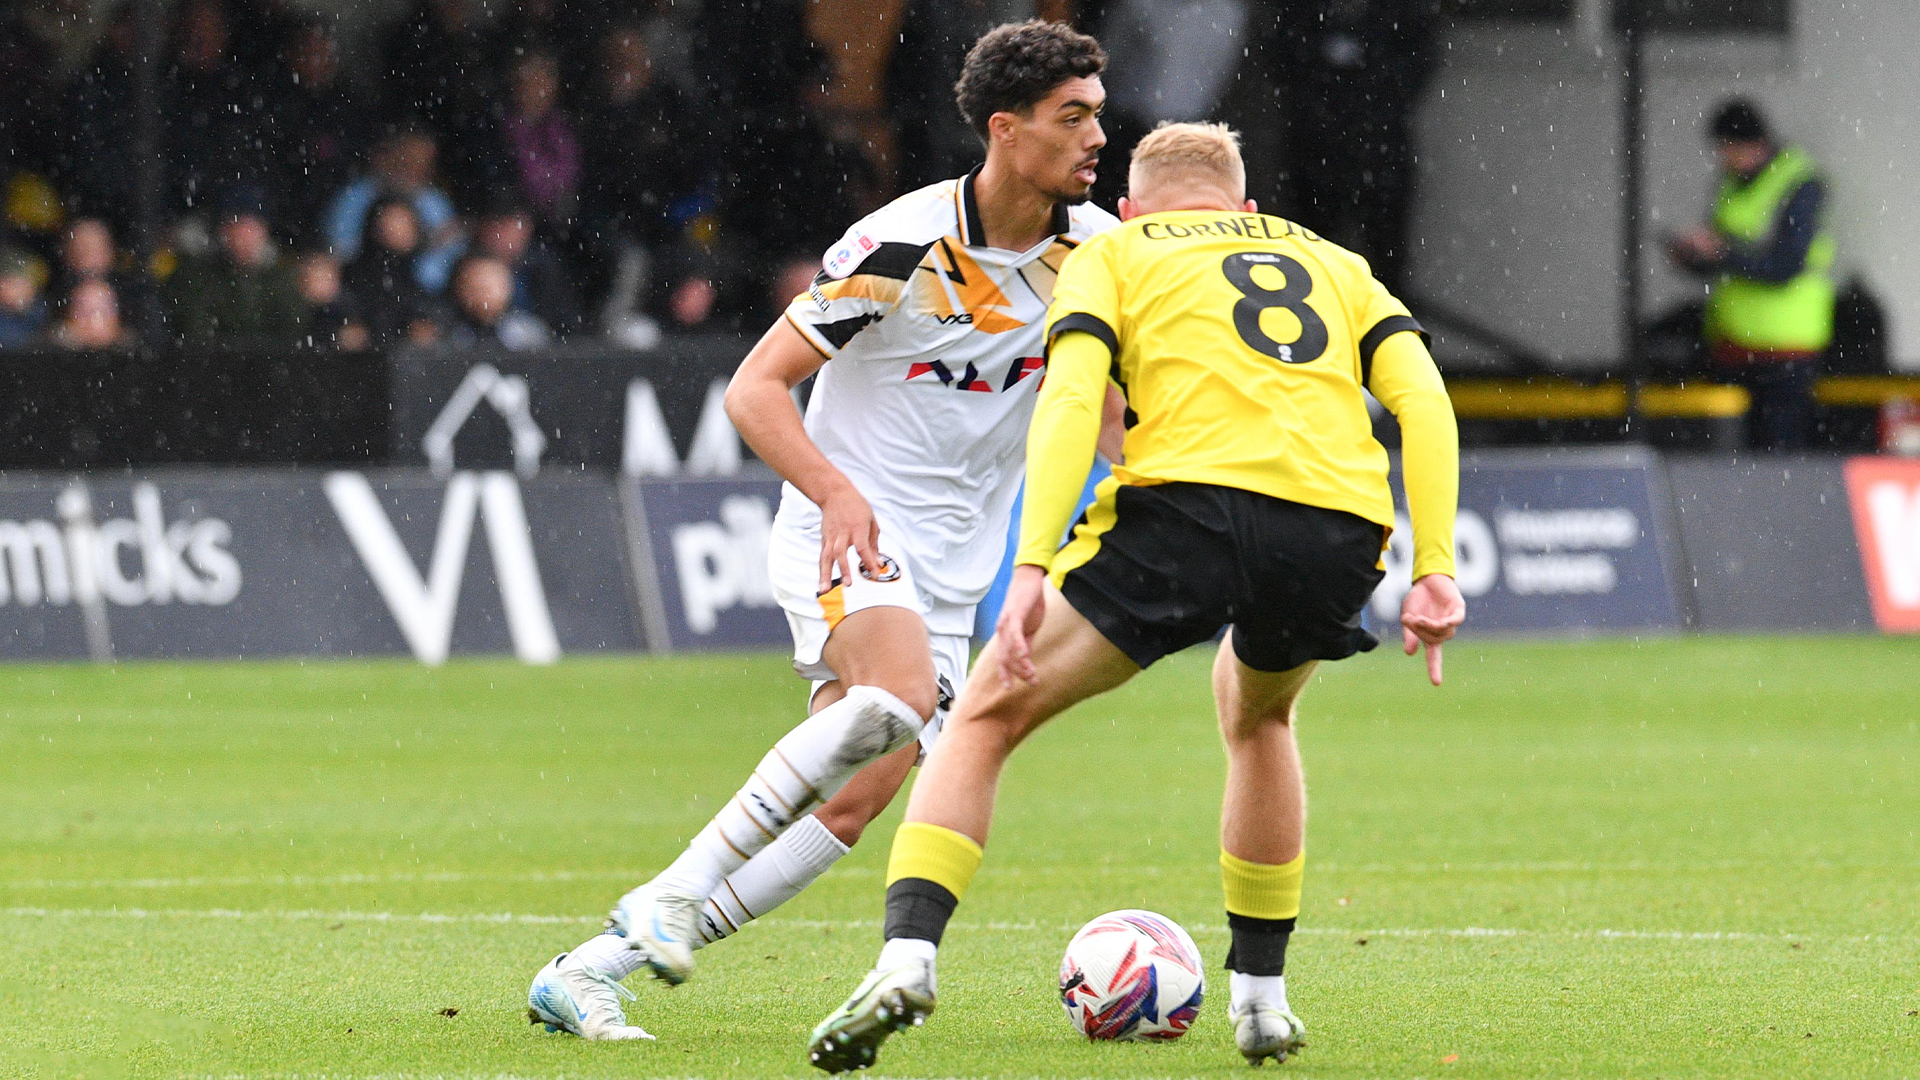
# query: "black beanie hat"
{"points": [[1738, 120]]}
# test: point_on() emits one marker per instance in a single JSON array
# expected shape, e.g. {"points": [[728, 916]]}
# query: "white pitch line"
{"points": [[506, 918], [561, 876]]}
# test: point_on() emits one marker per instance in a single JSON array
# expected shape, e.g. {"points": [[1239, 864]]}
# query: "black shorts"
{"points": [[1176, 562]]}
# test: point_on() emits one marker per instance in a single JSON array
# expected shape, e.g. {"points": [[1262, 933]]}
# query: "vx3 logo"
{"points": [[964, 318]]}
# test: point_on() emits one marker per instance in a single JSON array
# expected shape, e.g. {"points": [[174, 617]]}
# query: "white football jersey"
{"points": [[934, 357]]}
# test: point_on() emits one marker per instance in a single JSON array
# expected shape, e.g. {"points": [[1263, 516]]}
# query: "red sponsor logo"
{"points": [[1885, 495]]}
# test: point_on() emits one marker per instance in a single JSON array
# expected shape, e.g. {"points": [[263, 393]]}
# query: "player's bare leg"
{"points": [[885, 662], [939, 846], [1072, 663], [1262, 843]]}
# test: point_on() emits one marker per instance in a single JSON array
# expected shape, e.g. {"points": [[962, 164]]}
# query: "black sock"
{"points": [[1259, 945], [918, 908]]}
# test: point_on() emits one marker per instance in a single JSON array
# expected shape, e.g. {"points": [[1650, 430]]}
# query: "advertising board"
{"points": [[290, 562], [1768, 543], [1574, 541], [1885, 496], [705, 542]]}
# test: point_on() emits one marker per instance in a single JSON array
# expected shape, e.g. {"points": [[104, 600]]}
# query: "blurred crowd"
{"points": [[520, 172], [515, 175]]}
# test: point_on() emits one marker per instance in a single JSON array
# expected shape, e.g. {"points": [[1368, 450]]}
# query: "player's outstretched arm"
{"points": [[760, 404], [1060, 446], [1409, 385]]}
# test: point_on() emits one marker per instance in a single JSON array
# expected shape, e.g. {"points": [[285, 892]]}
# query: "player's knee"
{"points": [[1245, 725], [883, 721], [921, 696]]}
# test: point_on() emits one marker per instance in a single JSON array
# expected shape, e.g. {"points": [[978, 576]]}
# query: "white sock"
{"points": [[770, 879], [608, 954], [901, 950], [1271, 989], [804, 769]]}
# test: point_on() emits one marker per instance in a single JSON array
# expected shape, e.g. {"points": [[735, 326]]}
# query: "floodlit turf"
{"points": [[1695, 857]]}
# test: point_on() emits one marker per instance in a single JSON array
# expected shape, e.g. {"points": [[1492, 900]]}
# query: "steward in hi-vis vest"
{"points": [[1775, 289], [1768, 257]]}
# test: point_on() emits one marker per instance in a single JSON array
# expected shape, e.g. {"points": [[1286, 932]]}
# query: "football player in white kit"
{"points": [[923, 328]]}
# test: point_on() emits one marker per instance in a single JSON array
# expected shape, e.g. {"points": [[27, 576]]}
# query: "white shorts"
{"points": [[793, 562]]}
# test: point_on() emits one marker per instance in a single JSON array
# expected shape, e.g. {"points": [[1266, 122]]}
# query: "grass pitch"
{"points": [[1693, 857]]}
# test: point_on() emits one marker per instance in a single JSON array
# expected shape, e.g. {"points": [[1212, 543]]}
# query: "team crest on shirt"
{"points": [[889, 570]]}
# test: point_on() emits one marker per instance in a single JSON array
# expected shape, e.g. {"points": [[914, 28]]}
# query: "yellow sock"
{"points": [[1261, 890], [936, 854]]}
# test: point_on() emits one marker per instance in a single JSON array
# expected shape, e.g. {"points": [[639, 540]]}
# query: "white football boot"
{"points": [[1264, 1029], [566, 996], [662, 925], [885, 1002]]}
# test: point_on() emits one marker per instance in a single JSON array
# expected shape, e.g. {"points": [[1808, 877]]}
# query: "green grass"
{"points": [[1675, 858]]}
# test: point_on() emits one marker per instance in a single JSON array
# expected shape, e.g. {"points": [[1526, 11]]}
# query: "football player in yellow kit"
{"points": [[1252, 495]]}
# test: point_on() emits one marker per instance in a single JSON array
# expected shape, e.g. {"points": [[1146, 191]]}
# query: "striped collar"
{"points": [[973, 232]]}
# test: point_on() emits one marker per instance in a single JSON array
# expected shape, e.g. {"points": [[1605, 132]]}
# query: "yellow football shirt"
{"points": [[1242, 343]]}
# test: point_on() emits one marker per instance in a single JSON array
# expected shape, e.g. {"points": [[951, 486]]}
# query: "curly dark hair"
{"points": [[1015, 65]]}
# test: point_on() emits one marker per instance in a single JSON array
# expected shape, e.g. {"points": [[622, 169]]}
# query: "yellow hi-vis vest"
{"points": [[1796, 316]]}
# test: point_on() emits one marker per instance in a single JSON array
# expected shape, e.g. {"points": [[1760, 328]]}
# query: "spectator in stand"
{"points": [[95, 127], [564, 30], [90, 319], [23, 315], [29, 68], [243, 293], [643, 157], [541, 282], [318, 127], [1352, 73], [788, 179], [437, 68], [333, 319], [90, 254], [935, 142], [383, 283], [402, 168], [539, 139], [264, 33], [484, 312], [215, 116], [792, 282]]}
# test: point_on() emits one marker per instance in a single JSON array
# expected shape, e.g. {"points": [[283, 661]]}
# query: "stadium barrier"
{"points": [[652, 413], [231, 563], [222, 563], [1555, 541]]}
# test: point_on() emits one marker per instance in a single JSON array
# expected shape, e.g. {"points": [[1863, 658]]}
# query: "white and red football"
{"points": [[1132, 975]]}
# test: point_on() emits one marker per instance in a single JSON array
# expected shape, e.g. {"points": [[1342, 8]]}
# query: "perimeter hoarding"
{"points": [[203, 563], [1768, 543], [1885, 496], [705, 543], [1573, 541]]}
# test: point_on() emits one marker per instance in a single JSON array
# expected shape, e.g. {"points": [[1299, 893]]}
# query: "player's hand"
{"points": [[1019, 620], [846, 521], [1431, 613]]}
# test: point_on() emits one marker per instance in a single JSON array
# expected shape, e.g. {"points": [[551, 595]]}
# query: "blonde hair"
{"points": [[1205, 152]]}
